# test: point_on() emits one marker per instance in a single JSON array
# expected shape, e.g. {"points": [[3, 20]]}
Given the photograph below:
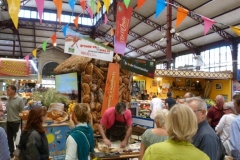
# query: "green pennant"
{"points": [[126, 2], [44, 45], [93, 6]]}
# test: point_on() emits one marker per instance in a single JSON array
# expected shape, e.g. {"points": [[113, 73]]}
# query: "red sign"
{"points": [[14, 67], [112, 87], [123, 19]]}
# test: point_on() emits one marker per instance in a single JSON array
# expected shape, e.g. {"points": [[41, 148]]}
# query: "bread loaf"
{"points": [[98, 72], [86, 98], [126, 81], [87, 78], [93, 87], [98, 106], [85, 89], [89, 69], [100, 95]]}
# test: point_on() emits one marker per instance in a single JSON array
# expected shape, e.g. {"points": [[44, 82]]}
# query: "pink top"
{"points": [[108, 117]]}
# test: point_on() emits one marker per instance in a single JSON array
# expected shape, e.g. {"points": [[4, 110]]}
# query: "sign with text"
{"points": [[79, 45], [112, 87], [123, 19], [14, 67], [139, 66]]}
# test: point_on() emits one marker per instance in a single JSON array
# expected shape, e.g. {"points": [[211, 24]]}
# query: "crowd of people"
{"points": [[183, 131]]}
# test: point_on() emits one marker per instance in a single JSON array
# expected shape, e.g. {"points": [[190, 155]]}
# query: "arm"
{"points": [[141, 152], [71, 148], [220, 126], [4, 152], [209, 116], [101, 131], [34, 140], [234, 140], [21, 105], [128, 134]]}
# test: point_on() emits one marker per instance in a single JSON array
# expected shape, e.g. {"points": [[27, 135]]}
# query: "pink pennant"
{"points": [[89, 10], [105, 19], [27, 59], [207, 24], [40, 5]]}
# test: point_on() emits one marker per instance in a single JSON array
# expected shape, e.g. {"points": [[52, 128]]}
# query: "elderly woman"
{"points": [[224, 125], [159, 134], [181, 125]]}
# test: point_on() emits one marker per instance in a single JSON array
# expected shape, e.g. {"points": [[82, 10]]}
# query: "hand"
{"points": [[123, 144], [107, 142]]}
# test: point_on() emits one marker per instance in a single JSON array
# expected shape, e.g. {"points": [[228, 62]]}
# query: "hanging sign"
{"points": [[112, 87], [139, 66], [77, 44], [14, 67]]}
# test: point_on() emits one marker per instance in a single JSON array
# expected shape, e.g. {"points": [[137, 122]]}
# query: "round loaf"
{"points": [[86, 98], [89, 69], [87, 78]]}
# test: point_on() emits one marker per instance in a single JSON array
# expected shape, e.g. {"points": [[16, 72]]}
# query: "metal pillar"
{"points": [[234, 51], [169, 35]]}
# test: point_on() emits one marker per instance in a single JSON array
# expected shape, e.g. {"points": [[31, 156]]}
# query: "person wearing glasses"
{"points": [[224, 125], [205, 139], [4, 152]]}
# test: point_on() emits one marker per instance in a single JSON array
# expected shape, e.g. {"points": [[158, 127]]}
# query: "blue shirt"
{"points": [[4, 151], [235, 138]]}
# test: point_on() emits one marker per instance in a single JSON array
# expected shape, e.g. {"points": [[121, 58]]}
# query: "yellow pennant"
{"points": [[106, 3], [34, 52], [13, 9], [98, 6], [236, 29]]}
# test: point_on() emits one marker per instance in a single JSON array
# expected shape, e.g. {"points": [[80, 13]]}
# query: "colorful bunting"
{"points": [[89, 10], [105, 19], [98, 6], [13, 9], [71, 4], [111, 31], [207, 24], [140, 3], [76, 21], [126, 2], [44, 46], [54, 38], [34, 52], [92, 5], [181, 15], [160, 7], [58, 4], [83, 4], [27, 59], [236, 29], [64, 29], [40, 5], [106, 4]]}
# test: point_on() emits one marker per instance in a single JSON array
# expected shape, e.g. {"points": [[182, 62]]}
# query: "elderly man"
{"points": [[215, 113], [205, 139], [235, 130], [188, 95], [118, 124], [4, 152]]}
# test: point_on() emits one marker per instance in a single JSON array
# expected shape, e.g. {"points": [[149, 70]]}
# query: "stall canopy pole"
{"points": [[169, 35]]}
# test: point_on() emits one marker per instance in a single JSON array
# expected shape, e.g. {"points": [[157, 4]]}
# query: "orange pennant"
{"points": [[76, 21], [58, 4], [54, 38], [181, 15], [83, 4], [140, 3], [111, 31]]}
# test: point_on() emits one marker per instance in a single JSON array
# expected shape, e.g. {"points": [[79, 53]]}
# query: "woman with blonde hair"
{"points": [[155, 135], [181, 125], [80, 142]]}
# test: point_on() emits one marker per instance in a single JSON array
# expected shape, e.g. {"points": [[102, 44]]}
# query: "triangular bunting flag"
{"points": [[106, 4], [111, 31], [13, 9], [140, 3], [54, 38], [27, 59], [236, 29], [105, 19], [98, 6], [181, 15], [160, 7], [64, 29], [34, 52], [40, 6], [71, 4], [89, 10], [44, 46], [76, 21], [58, 4], [83, 4], [126, 2], [92, 5], [207, 24]]}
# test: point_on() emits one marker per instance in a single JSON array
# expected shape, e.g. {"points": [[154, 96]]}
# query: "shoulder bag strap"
{"points": [[85, 137]]}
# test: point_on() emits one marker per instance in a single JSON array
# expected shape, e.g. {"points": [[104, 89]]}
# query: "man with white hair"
{"points": [[205, 139]]}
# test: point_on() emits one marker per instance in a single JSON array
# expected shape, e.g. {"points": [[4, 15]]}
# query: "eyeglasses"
{"points": [[197, 110]]}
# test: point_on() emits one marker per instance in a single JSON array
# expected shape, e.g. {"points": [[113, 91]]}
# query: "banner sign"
{"points": [[112, 87], [14, 67], [57, 136], [80, 45], [139, 66], [123, 19]]}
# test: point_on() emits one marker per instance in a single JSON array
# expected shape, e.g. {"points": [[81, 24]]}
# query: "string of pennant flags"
{"points": [[95, 6]]}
